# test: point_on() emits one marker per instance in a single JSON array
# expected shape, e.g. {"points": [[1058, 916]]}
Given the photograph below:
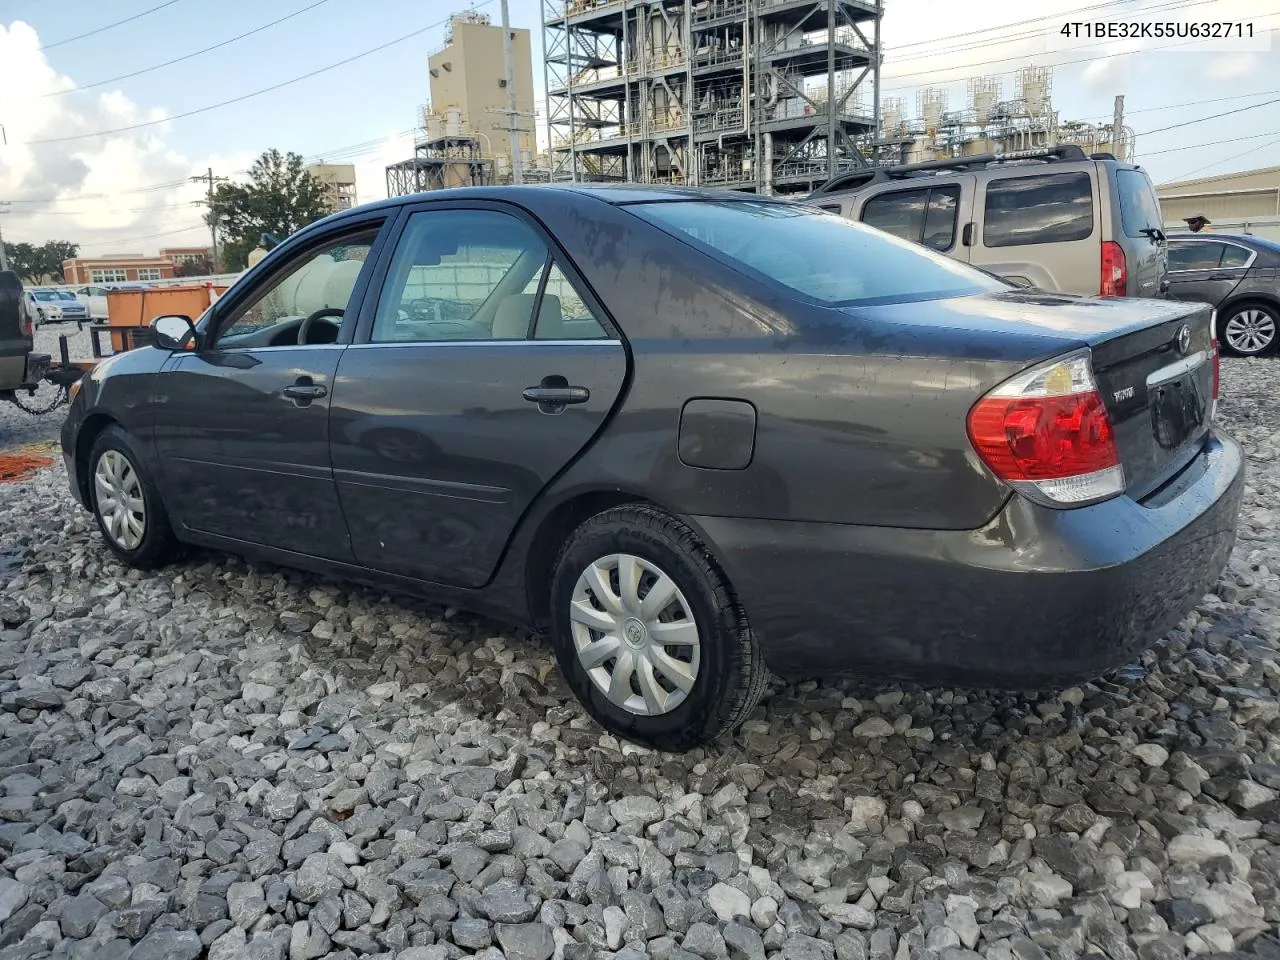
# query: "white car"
{"points": [[56, 306], [94, 296]]}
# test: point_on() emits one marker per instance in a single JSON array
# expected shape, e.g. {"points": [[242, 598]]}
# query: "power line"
{"points": [[148, 188], [364, 146], [1188, 123], [150, 236], [189, 56], [1212, 143], [1190, 103], [109, 26], [255, 93], [1165, 7], [1210, 166], [969, 68]]}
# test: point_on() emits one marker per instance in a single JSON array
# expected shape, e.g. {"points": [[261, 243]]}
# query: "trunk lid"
{"points": [[1157, 384]]}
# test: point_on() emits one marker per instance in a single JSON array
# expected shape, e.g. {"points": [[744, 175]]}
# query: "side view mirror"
{"points": [[173, 332]]}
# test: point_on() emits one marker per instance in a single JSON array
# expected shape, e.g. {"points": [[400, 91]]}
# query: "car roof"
{"points": [[617, 194]]}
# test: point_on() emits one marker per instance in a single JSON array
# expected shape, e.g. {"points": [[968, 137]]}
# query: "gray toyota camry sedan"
{"points": [[693, 436]]}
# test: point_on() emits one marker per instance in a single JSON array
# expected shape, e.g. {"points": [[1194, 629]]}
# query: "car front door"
{"points": [[455, 408], [1206, 271], [242, 423]]}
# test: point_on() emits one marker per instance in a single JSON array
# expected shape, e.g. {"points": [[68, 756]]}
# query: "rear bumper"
{"points": [[1038, 597], [23, 370]]}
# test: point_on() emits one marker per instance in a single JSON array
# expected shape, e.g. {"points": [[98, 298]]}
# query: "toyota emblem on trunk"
{"points": [[1184, 338]]}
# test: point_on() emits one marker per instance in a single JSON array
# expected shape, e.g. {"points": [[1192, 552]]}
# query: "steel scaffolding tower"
{"points": [[757, 95]]}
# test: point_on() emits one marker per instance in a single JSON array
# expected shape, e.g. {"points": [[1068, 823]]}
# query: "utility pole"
{"points": [[517, 174], [213, 220], [1117, 129], [4, 258]]}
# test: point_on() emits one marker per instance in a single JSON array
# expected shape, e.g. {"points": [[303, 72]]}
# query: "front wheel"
{"points": [[649, 634], [126, 503], [1250, 330]]}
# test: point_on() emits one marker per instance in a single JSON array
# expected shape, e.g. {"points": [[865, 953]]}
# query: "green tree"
{"points": [[280, 198], [39, 264], [196, 268]]}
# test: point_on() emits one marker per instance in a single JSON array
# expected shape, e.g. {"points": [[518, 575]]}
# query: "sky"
{"points": [[61, 92]]}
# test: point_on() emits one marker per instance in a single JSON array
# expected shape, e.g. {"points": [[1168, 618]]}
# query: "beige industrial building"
{"points": [[1243, 202], [465, 137], [339, 181], [469, 76]]}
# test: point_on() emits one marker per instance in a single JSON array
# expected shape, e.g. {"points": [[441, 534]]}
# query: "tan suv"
{"points": [[1056, 219]]}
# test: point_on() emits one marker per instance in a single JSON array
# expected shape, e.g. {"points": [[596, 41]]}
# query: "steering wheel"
{"points": [[324, 313]]}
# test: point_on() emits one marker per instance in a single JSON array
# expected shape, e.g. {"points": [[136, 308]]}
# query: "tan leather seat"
{"points": [[511, 319]]}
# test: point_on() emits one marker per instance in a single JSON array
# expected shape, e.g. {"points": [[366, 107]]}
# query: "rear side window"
{"points": [[1046, 208], [826, 258], [1198, 255], [1139, 207], [1235, 256], [922, 216]]}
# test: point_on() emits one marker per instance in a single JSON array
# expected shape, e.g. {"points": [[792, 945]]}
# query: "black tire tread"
{"points": [[748, 675]]}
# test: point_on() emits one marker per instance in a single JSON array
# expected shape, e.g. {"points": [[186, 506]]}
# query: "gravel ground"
{"points": [[254, 763], [18, 428]]}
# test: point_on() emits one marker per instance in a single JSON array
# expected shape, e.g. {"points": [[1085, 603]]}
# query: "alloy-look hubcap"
{"points": [[118, 489], [1250, 331], [635, 634]]}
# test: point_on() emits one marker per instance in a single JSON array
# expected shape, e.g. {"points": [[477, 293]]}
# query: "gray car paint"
{"points": [[858, 472]]}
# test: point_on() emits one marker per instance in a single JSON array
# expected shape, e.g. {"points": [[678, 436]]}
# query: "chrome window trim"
{"points": [[495, 343]]}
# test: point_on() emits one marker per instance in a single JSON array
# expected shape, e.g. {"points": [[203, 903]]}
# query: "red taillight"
{"points": [[1047, 433], [1115, 273], [28, 328]]}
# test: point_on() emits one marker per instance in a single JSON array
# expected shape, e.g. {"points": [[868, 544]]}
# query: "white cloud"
{"points": [[98, 192]]}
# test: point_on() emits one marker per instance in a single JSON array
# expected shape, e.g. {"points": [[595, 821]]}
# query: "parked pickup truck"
{"points": [[20, 367]]}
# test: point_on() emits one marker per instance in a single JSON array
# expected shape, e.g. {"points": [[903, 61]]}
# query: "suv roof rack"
{"points": [[860, 178]]}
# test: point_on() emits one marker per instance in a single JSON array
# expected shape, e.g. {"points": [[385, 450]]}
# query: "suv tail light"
{"points": [[27, 324], [1115, 272], [1047, 434]]}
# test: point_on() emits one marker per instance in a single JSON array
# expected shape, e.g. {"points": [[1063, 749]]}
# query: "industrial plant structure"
{"points": [[761, 95], [989, 124], [464, 134]]}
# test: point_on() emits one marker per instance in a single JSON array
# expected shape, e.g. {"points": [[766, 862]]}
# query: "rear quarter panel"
{"points": [[860, 419]]}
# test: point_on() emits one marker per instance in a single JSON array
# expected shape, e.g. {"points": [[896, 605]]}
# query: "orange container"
{"points": [[130, 312]]}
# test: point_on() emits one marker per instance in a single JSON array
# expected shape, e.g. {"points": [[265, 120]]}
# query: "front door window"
{"points": [[306, 303]]}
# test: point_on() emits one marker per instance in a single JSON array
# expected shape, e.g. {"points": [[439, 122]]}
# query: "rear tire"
{"points": [[1249, 329], [670, 663], [126, 503]]}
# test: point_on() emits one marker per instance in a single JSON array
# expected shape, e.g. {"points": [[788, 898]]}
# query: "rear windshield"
{"points": [[1139, 208], [819, 255]]}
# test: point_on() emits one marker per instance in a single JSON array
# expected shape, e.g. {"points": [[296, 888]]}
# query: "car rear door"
{"points": [[1043, 229], [1206, 270], [242, 424], [454, 409], [933, 213]]}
